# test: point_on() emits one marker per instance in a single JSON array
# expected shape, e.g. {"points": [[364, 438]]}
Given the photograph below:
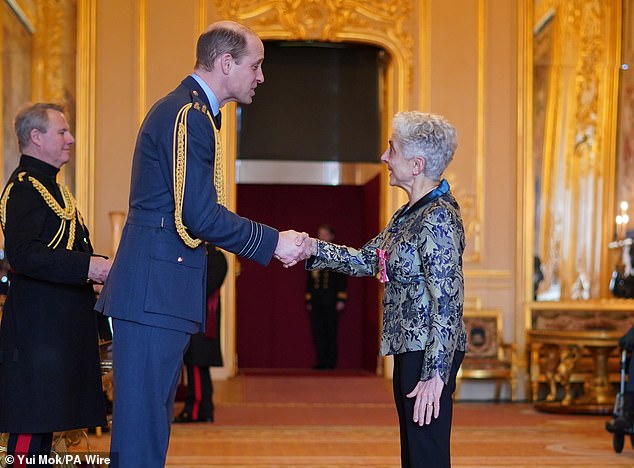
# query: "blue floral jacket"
{"points": [[424, 294]]}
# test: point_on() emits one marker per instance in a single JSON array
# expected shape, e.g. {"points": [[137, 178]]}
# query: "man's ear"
{"points": [[226, 62], [35, 136]]}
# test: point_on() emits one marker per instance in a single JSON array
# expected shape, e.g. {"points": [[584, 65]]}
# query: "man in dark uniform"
{"points": [[325, 297], [50, 378], [155, 292], [204, 348]]}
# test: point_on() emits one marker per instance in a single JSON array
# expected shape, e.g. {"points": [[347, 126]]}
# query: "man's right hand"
{"points": [[290, 248], [98, 269]]}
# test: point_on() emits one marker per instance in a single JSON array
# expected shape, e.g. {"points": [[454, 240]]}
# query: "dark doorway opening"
{"points": [[273, 325]]}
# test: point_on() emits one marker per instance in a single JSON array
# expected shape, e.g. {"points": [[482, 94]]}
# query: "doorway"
{"points": [[272, 323]]}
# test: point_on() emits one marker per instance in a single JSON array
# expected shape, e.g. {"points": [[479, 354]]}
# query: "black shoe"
{"points": [[184, 417], [620, 424]]}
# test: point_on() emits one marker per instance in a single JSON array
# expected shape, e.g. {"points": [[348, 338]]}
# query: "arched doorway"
{"points": [[367, 23]]}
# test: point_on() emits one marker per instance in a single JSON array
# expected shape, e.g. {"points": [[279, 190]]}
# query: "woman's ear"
{"points": [[419, 165]]}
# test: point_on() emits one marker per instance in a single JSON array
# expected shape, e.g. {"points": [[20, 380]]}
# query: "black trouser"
{"points": [[26, 448], [199, 400], [324, 322], [428, 445]]}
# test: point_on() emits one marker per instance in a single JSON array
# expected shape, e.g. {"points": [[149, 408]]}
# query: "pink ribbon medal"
{"points": [[382, 265]]}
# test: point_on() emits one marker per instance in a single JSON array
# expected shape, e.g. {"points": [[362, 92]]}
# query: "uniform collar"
{"points": [[31, 162], [211, 97]]}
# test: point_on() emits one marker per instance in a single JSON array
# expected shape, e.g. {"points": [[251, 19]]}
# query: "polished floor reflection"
{"points": [[343, 420]]}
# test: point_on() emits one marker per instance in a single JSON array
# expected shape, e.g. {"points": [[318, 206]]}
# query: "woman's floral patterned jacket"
{"points": [[424, 291]]}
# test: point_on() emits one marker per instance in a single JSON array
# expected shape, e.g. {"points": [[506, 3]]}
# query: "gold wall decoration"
{"points": [[54, 61], [469, 210], [85, 132], [373, 22], [573, 98]]}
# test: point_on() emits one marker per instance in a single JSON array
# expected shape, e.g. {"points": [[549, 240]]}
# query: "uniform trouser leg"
{"points": [[319, 334], [199, 393], [629, 386], [428, 445], [147, 363], [26, 448], [331, 316]]}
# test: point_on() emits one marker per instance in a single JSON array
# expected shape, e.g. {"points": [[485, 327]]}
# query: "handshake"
{"points": [[293, 247]]}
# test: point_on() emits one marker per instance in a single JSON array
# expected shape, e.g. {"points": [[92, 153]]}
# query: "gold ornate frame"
{"points": [[577, 189]]}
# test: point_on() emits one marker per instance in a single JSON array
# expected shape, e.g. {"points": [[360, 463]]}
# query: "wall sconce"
{"points": [[622, 220]]}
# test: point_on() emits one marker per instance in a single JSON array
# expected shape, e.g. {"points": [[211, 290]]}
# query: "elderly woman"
{"points": [[418, 257]]}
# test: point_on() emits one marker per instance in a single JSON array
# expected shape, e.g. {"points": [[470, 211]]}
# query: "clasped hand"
{"points": [[293, 247]]}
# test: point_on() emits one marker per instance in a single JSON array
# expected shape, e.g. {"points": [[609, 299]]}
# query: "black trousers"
{"points": [[26, 448], [324, 320], [199, 400], [428, 445]]}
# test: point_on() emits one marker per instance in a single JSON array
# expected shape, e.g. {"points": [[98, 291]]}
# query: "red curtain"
{"points": [[273, 326]]}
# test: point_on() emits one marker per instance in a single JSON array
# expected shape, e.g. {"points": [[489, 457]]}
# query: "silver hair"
{"points": [[428, 136], [34, 116]]}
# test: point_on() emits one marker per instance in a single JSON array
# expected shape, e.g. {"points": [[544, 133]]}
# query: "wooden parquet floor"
{"points": [[337, 421]]}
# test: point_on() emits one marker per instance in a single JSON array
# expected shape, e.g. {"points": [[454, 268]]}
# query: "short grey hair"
{"points": [[428, 136], [224, 37], [34, 116]]}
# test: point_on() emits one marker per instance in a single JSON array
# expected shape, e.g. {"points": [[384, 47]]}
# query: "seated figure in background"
{"points": [[625, 421]]}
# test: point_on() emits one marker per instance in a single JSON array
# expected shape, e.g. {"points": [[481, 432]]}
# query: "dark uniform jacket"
{"points": [[157, 279], [50, 378], [204, 348], [325, 288]]}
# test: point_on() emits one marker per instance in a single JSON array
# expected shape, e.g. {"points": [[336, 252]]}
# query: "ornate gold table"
{"points": [[556, 355]]}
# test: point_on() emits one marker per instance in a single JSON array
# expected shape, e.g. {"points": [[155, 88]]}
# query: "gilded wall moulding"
{"points": [[367, 21], [573, 100], [468, 210]]}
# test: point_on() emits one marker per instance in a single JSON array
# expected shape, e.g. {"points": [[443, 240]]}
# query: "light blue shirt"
{"points": [[211, 97]]}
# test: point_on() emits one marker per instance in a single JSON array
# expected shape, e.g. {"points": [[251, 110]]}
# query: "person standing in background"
{"points": [[204, 348], [326, 297]]}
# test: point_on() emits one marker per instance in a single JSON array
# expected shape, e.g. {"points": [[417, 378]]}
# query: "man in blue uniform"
{"points": [[156, 289]]}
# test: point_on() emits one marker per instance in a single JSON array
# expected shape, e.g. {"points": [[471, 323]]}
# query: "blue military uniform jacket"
{"points": [[157, 279]]}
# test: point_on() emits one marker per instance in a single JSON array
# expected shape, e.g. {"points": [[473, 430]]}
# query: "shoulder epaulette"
{"points": [[197, 102], [67, 214]]}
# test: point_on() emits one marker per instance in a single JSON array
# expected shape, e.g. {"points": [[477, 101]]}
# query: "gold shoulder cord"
{"points": [[66, 214], [3, 205], [179, 168]]}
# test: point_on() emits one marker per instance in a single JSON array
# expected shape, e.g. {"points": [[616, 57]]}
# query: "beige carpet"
{"points": [[338, 420]]}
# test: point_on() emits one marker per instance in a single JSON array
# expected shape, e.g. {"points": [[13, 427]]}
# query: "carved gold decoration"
{"points": [[472, 223], [51, 50]]}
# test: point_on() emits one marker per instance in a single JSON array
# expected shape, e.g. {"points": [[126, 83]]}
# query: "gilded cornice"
{"points": [[369, 21]]}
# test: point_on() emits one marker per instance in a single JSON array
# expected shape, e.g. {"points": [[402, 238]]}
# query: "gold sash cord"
{"points": [[179, 168]]}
